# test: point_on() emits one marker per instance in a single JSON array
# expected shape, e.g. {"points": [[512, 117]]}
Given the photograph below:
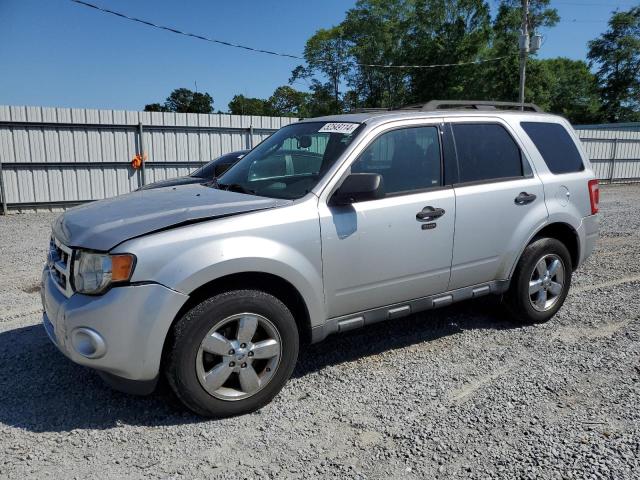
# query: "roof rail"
{"points": [[474, 105], [456, 104], [370, 110]]}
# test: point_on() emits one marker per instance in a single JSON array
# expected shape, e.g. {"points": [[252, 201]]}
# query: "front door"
{"points": [[378, 252]]}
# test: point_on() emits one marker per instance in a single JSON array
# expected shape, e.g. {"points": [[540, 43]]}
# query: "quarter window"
{"points": [[486, 151], [408, 159], [555, 145]]}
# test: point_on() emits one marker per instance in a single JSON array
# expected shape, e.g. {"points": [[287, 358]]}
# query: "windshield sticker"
{"points": [[345, 128]]}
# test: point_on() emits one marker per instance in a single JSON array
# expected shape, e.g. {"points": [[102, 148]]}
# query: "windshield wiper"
{"points": [[213, 183], [236, 187]]}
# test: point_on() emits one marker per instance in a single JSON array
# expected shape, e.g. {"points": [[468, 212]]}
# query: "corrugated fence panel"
{"points": [[60, 156], [614, 151]]}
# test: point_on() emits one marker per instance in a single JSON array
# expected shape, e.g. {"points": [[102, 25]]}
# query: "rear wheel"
{"points": [[540, 282], [232, 353]]}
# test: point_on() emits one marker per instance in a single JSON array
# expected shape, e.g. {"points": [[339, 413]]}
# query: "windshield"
{"points": [[290, 162]]}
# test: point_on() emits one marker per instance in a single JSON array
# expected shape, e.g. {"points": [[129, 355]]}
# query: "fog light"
{"points": [[88, 343]]}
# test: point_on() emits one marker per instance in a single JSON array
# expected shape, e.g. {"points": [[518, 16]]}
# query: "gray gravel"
{"points": [[457, 393]]}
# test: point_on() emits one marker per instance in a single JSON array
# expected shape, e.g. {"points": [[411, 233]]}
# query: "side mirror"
{"points": [[359, 187], [220, 168]]}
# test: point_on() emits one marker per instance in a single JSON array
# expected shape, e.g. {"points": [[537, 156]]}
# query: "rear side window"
{"points": [[555, 145], [486, 151]]}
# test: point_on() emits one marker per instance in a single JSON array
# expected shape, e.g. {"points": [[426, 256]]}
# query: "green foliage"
{"points": [[325, 52], [500, 80], [616, 54], [183, 100], [376, 33], [427, 32], [155, 107], [288, 102], [340, 77], [447, 32], [241, 105], [566, 87], [284, 102]]}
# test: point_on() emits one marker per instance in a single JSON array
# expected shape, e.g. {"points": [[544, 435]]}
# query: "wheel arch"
{"points": [[562, 232], [266, 282]]}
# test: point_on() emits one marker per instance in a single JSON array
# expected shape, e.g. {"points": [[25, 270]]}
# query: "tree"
{"points": [[376, 33], [326, 53], [241, 105], [322, 101], [448, 32], [566, 87], [155, 107], [500, 80], [288, 102], [183, 100], [284, 102], [616, 54]]}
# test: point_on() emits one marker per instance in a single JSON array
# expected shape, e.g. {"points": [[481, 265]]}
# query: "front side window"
{"points": [[555, 145], [408, 159], [486, 151], [292, 161]]}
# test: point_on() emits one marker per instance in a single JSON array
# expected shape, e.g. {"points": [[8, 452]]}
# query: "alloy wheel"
{"points": [[239, 356], [546, 283]]}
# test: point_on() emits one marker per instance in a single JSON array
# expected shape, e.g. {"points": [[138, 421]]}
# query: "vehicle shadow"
{"points": [[391, 335], [42, 391]]}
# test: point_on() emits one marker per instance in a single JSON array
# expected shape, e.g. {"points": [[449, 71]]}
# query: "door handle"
{"points": [[429, 213], [525, 198]]}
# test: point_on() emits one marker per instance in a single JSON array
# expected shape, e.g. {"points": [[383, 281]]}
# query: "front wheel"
{"points": [[540, 282], [232, 353]]}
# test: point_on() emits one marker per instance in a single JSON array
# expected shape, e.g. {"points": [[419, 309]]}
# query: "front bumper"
{"points": [[132, 321]]}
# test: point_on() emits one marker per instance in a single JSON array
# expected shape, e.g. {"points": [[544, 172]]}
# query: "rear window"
{"points": [[486, 152], [555, 145]]}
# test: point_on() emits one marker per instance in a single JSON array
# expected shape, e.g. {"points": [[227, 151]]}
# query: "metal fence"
{"points": [[614, 150], [57, 157]]}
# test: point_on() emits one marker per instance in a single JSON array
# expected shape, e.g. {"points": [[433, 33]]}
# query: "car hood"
{"points": [[103, 224], [172, 182]]}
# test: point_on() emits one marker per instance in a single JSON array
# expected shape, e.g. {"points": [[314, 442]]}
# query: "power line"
{"points": [[574, 20], [175, 30], [269, 52]]}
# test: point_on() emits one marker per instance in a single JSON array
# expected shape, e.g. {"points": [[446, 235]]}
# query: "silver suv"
{"points": [[328, 225]]}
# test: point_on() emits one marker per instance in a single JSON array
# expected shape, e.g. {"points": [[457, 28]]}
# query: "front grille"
{"points": [[59, 260]]}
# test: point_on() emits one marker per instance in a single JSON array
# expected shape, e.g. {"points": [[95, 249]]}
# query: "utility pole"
{"points": [[524, 49]]}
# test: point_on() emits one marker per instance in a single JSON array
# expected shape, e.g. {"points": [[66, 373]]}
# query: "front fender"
{"points": [[275, 259], [283, 242]]}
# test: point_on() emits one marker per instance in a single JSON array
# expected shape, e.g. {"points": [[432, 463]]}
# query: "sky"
{"points": [[60, 54]]}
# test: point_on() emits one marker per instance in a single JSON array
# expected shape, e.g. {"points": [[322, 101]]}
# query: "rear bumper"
{"points": [[120, 333], [588, 233]]}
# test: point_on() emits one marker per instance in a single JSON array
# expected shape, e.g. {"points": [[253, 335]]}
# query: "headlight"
{"points": [[95, 272]]}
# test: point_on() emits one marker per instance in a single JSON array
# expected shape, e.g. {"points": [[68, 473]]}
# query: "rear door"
{"points": [[499, 201]]}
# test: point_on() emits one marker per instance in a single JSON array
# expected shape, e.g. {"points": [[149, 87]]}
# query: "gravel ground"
{"points": [[456, 393]]}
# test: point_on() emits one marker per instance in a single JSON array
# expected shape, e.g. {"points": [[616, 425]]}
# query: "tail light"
{"points": [[594, 195]]}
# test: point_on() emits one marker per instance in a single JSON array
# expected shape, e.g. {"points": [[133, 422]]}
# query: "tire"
{"points": [[535, 298], [218, 379]]}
